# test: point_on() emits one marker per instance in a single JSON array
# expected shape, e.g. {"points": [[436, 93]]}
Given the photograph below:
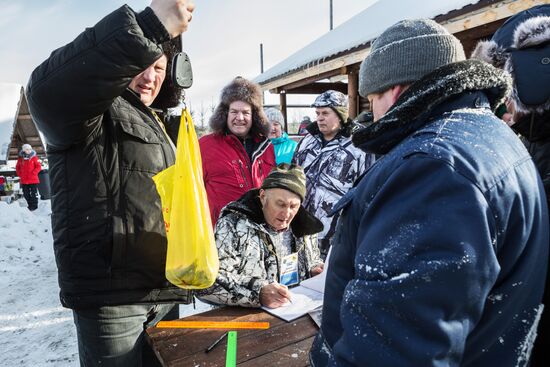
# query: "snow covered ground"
{"points": [[34, 329]]}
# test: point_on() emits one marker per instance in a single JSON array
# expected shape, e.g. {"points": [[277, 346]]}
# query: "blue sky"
{"points": [[222, 42]]}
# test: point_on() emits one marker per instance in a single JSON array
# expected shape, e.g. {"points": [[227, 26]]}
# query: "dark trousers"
{"points": [[30, 192], [113, 336]]}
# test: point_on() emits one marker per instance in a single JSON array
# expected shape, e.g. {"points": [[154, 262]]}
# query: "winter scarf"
{"points": [[414, 106], [24, 155]]}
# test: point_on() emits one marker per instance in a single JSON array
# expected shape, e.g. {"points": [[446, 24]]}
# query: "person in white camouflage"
{"points": [[330, 161], [256, 234]]}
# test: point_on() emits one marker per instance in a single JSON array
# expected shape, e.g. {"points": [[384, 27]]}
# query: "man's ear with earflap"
{"points": [[170, 95]]}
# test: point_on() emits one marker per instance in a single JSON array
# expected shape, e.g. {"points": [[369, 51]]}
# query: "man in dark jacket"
{"points": [[93, 101], [442, 245], [521, 46]]}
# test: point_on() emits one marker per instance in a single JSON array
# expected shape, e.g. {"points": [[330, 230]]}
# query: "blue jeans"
{"points": [[113, 336]]}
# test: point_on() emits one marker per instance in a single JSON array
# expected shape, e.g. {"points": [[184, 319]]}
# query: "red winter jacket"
{"points": [[28, 169], [226, 168]]}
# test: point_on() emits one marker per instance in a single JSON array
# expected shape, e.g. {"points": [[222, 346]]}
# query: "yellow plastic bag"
{"points": [[192, 258]]}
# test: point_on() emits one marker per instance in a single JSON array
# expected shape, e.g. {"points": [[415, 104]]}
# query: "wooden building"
{"points": [[333, 60], [16, 124]]}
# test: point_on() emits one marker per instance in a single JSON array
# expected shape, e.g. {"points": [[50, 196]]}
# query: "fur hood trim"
{"points": [[490, 52], [249, 204], [411, 110], [532, 32], [528, 34], [241, 89]]}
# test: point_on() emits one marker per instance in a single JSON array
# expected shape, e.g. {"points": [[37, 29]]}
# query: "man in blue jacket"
{"points": [[442, 246]]}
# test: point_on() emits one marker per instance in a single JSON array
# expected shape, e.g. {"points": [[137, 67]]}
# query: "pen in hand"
{"points": [[216, 342]]}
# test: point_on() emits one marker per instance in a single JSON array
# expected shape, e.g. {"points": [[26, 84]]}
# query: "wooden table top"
{"points": [[283, 344]]}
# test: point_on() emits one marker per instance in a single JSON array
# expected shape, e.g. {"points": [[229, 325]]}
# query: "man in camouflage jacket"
{"points": [[254, 233]]}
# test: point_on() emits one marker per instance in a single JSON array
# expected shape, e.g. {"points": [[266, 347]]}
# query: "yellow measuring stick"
{"points": [[232, 325]]}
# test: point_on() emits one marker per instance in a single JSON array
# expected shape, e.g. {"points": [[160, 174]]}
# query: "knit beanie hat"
{"points": [[337, 101], [405, 52], [274, 115], [289, 177], [26, 146]]}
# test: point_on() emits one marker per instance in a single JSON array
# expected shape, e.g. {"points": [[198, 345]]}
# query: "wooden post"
{"points": [[353, 95], [282, 98]]}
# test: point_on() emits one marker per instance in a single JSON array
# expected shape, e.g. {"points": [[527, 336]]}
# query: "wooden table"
{"points": [[283, 344]]}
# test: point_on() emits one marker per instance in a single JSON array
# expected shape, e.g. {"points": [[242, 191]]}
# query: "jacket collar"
{"points": [[429, 96], [249, 205], [284, 137]]}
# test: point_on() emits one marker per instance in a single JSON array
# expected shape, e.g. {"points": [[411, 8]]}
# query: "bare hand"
{"points": [[317, 270], [274, 295], [174, 15]]}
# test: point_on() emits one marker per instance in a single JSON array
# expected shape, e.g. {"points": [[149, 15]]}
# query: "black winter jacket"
{"points": [[104, 146]]}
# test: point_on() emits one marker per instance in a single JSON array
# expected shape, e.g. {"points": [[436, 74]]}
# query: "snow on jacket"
{"points": [[104, 147], [284, 148], [228, 172], [442, 246], [247, 252], [330, 172], [27, 168]]}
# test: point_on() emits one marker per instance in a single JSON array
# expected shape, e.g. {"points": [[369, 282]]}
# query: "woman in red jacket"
{"points": [[237, 156], [27, 168]]}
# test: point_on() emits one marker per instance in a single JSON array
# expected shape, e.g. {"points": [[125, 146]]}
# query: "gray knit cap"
{"points": [[290, 177], [274, 115], [405, 52]]}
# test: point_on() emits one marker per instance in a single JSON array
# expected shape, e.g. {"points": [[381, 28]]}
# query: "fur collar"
{"points": [[249, 205], [411, 110], [346, 130]]}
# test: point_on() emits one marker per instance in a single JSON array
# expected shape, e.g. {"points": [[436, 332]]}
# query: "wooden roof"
{"points": [[469, 24], [24, 131]]}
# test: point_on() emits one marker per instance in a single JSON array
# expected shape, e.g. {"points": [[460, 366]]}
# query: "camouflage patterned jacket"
{"points": [[331, 169], [248, 259]]}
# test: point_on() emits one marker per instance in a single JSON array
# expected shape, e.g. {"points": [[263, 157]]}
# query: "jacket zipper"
{"points": [[243, 173], [260, 168]]}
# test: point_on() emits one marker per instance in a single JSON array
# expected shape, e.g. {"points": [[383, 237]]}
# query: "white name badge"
{"points": [[289, 270]]}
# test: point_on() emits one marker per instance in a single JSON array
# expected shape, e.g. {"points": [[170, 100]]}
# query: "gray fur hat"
{"points": [[241, 89], [274, 115], [521, 46], [405, 52]]}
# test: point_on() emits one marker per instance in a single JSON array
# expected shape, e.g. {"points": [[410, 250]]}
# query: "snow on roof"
{"points": [[10, 95], [361, 29]]}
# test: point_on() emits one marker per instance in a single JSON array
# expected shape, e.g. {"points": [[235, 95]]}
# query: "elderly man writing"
{"points": [[266, 242]]}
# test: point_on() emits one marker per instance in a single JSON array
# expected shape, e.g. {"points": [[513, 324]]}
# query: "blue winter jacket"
{"points": [[284, 148], [442, 246]]}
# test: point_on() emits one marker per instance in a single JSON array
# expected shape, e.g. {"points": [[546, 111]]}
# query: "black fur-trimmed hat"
{"points": [[170, 95], [521, 46], [241, 89]]}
